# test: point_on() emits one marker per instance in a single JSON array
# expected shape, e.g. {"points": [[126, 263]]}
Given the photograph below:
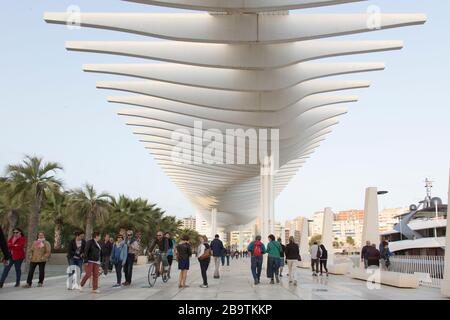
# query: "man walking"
{"points": [[315, 255], [364, 254], [257, 249], [217, 249]]}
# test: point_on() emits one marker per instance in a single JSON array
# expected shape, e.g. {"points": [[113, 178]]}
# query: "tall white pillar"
{"points": [[304, 240], [213, 222], [267, 199], [327, 233], [370, 228], [445, 284]]}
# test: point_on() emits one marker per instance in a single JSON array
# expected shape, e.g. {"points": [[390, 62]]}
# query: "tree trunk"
{"points": [[33, 224], [58, 228], [89, 225], [13, 218]]}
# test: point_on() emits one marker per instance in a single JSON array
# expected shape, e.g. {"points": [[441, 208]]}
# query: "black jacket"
{"points": [[4, 246], [217, 247], [106, 248], [292, 251], [92, 252], [323, 253], [72, 248]]}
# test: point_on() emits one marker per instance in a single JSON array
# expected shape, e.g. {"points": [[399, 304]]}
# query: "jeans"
{"points": [[256, 266], [204, 264], [273, 266], [92, 269], [222, 259], [228, 260], [33, 266], [118, 266], [315, 265], [216, 267], [128, 267], [323, 262], [17, 265], [105, 264]]}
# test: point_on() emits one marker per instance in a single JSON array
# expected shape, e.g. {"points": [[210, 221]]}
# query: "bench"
{"points": [[390, 278]]}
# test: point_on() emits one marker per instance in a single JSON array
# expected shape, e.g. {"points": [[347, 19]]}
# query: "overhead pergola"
{"points": [[240, 64]]}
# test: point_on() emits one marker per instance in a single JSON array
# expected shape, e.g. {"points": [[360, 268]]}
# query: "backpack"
{"points": [[257, 252], [207, 253]]}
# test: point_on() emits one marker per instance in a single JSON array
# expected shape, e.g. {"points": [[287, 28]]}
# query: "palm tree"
{"points": [[10, 207], [90, 205], [31, 179], [55, 212]]}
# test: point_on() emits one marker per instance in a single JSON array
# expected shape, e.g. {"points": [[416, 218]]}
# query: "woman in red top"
{"points": [[16, 245]]}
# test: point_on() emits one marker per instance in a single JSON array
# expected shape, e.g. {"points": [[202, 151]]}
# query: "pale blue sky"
{"points": [[394, 137]]}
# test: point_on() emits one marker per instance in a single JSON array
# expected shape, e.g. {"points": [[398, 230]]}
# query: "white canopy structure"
{"points": [[240, 64]]}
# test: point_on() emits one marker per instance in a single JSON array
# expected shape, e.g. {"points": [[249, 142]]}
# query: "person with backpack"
{"points": [[256, 249], [323, 258], [204, 258], [292, 253], [315, 256], [273, 261]]}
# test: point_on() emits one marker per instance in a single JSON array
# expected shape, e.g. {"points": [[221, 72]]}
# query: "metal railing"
{"points": [[429, 268]]}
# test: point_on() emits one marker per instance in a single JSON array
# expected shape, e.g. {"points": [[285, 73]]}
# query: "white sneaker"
{"points": [[96, 291], [80, 288]]}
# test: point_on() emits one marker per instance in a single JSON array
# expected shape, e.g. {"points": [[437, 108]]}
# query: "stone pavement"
{"points": [[235, 283]]}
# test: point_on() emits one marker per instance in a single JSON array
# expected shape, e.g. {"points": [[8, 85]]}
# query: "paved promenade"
{"points": [[235, 283]]}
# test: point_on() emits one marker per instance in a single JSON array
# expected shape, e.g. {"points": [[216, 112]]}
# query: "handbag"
{"points": [[206, 254]]}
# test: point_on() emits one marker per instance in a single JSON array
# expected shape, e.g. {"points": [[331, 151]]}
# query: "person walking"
{"points": [[4, 247], [119, 254], [92, 256], [133, 249], [106, 253], [222, 257], [217, 248], [385, 255], [204, 258], [170, 252], [75, 256], [273, 260], [39, 255], [364, 254], [281, 256], [323, 258], [227, 255], [257, 250], [373, 256], [292, 253], [315, 255], [16, 246], [184, 252]]}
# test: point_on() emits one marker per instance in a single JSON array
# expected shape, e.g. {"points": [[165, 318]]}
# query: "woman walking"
{"points": [[273, 260], [119, 254], [92, 255], [184, 253], [39, 255], [204, 258], [16, 246], [323, 259], [292, 257]]}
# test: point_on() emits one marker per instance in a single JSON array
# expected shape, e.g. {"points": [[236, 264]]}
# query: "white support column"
{"points": [[370, 227], [304, 240], [267, 198], [327, 233], [241, 238], [445, 284], [213, 222]]}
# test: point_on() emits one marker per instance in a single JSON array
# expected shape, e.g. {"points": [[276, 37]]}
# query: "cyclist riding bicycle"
{"points": [[163, 246]]}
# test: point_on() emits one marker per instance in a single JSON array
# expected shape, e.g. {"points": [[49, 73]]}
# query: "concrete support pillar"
{"points": [[241, 238], [213, 222], [370, 227], [327, 233], [445, 284], [304, 240], [267, 198]]}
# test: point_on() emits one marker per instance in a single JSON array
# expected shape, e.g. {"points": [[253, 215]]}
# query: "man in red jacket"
{"points": [[16, 246]]}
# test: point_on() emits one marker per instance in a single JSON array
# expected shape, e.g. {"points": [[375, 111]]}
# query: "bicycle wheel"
{"points": [[152, 275]]}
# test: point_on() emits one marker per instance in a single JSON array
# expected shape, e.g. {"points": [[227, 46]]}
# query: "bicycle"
{"points": [[152, 270]]}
